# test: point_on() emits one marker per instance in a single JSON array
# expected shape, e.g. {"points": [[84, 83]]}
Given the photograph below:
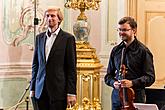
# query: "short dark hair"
{"points": [[128, 20]]}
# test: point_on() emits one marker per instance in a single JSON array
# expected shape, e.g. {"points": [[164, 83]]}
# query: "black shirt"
{"points": [[138, 61]]}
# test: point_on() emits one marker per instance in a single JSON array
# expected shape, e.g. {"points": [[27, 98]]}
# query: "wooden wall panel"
{"points": [[150, 16]]}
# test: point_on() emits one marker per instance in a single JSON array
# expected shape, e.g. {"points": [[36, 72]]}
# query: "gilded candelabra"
{"points": [[88, 64], [83, 5]]}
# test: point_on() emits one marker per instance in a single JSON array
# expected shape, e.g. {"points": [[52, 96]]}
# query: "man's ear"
{"points": [[134, 30]]}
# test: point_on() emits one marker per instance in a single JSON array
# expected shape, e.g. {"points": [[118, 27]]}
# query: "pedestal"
{"points": [[88, 78]]}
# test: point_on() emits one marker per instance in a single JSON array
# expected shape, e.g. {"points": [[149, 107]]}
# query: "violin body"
{"points": [[127, 96]]}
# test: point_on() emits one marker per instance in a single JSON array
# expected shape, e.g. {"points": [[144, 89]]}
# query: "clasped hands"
{"points": [[123, 83]]}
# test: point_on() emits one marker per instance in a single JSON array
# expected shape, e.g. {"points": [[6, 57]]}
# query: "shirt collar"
{"points": [[53, 33]]}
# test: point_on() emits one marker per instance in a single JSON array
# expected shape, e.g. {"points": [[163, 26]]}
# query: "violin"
{"points": [[127, 95]]}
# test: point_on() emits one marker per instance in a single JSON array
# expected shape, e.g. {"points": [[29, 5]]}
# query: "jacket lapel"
{"points": [[43, 42]]}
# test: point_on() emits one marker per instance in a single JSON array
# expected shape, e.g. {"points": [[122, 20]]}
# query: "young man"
{"points": [[53, 82], [138, 61]]}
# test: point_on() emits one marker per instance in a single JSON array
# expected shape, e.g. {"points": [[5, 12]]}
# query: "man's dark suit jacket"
{"points": [[59, 71]]}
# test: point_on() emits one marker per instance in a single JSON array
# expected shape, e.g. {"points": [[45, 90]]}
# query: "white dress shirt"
{"points": [[50, 40]]}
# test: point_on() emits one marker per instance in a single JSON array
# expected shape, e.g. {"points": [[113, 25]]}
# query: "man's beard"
{"points": [[123, 38]]}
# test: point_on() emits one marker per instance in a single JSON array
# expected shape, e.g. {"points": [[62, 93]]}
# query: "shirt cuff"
{"points": [[71, 94]]}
